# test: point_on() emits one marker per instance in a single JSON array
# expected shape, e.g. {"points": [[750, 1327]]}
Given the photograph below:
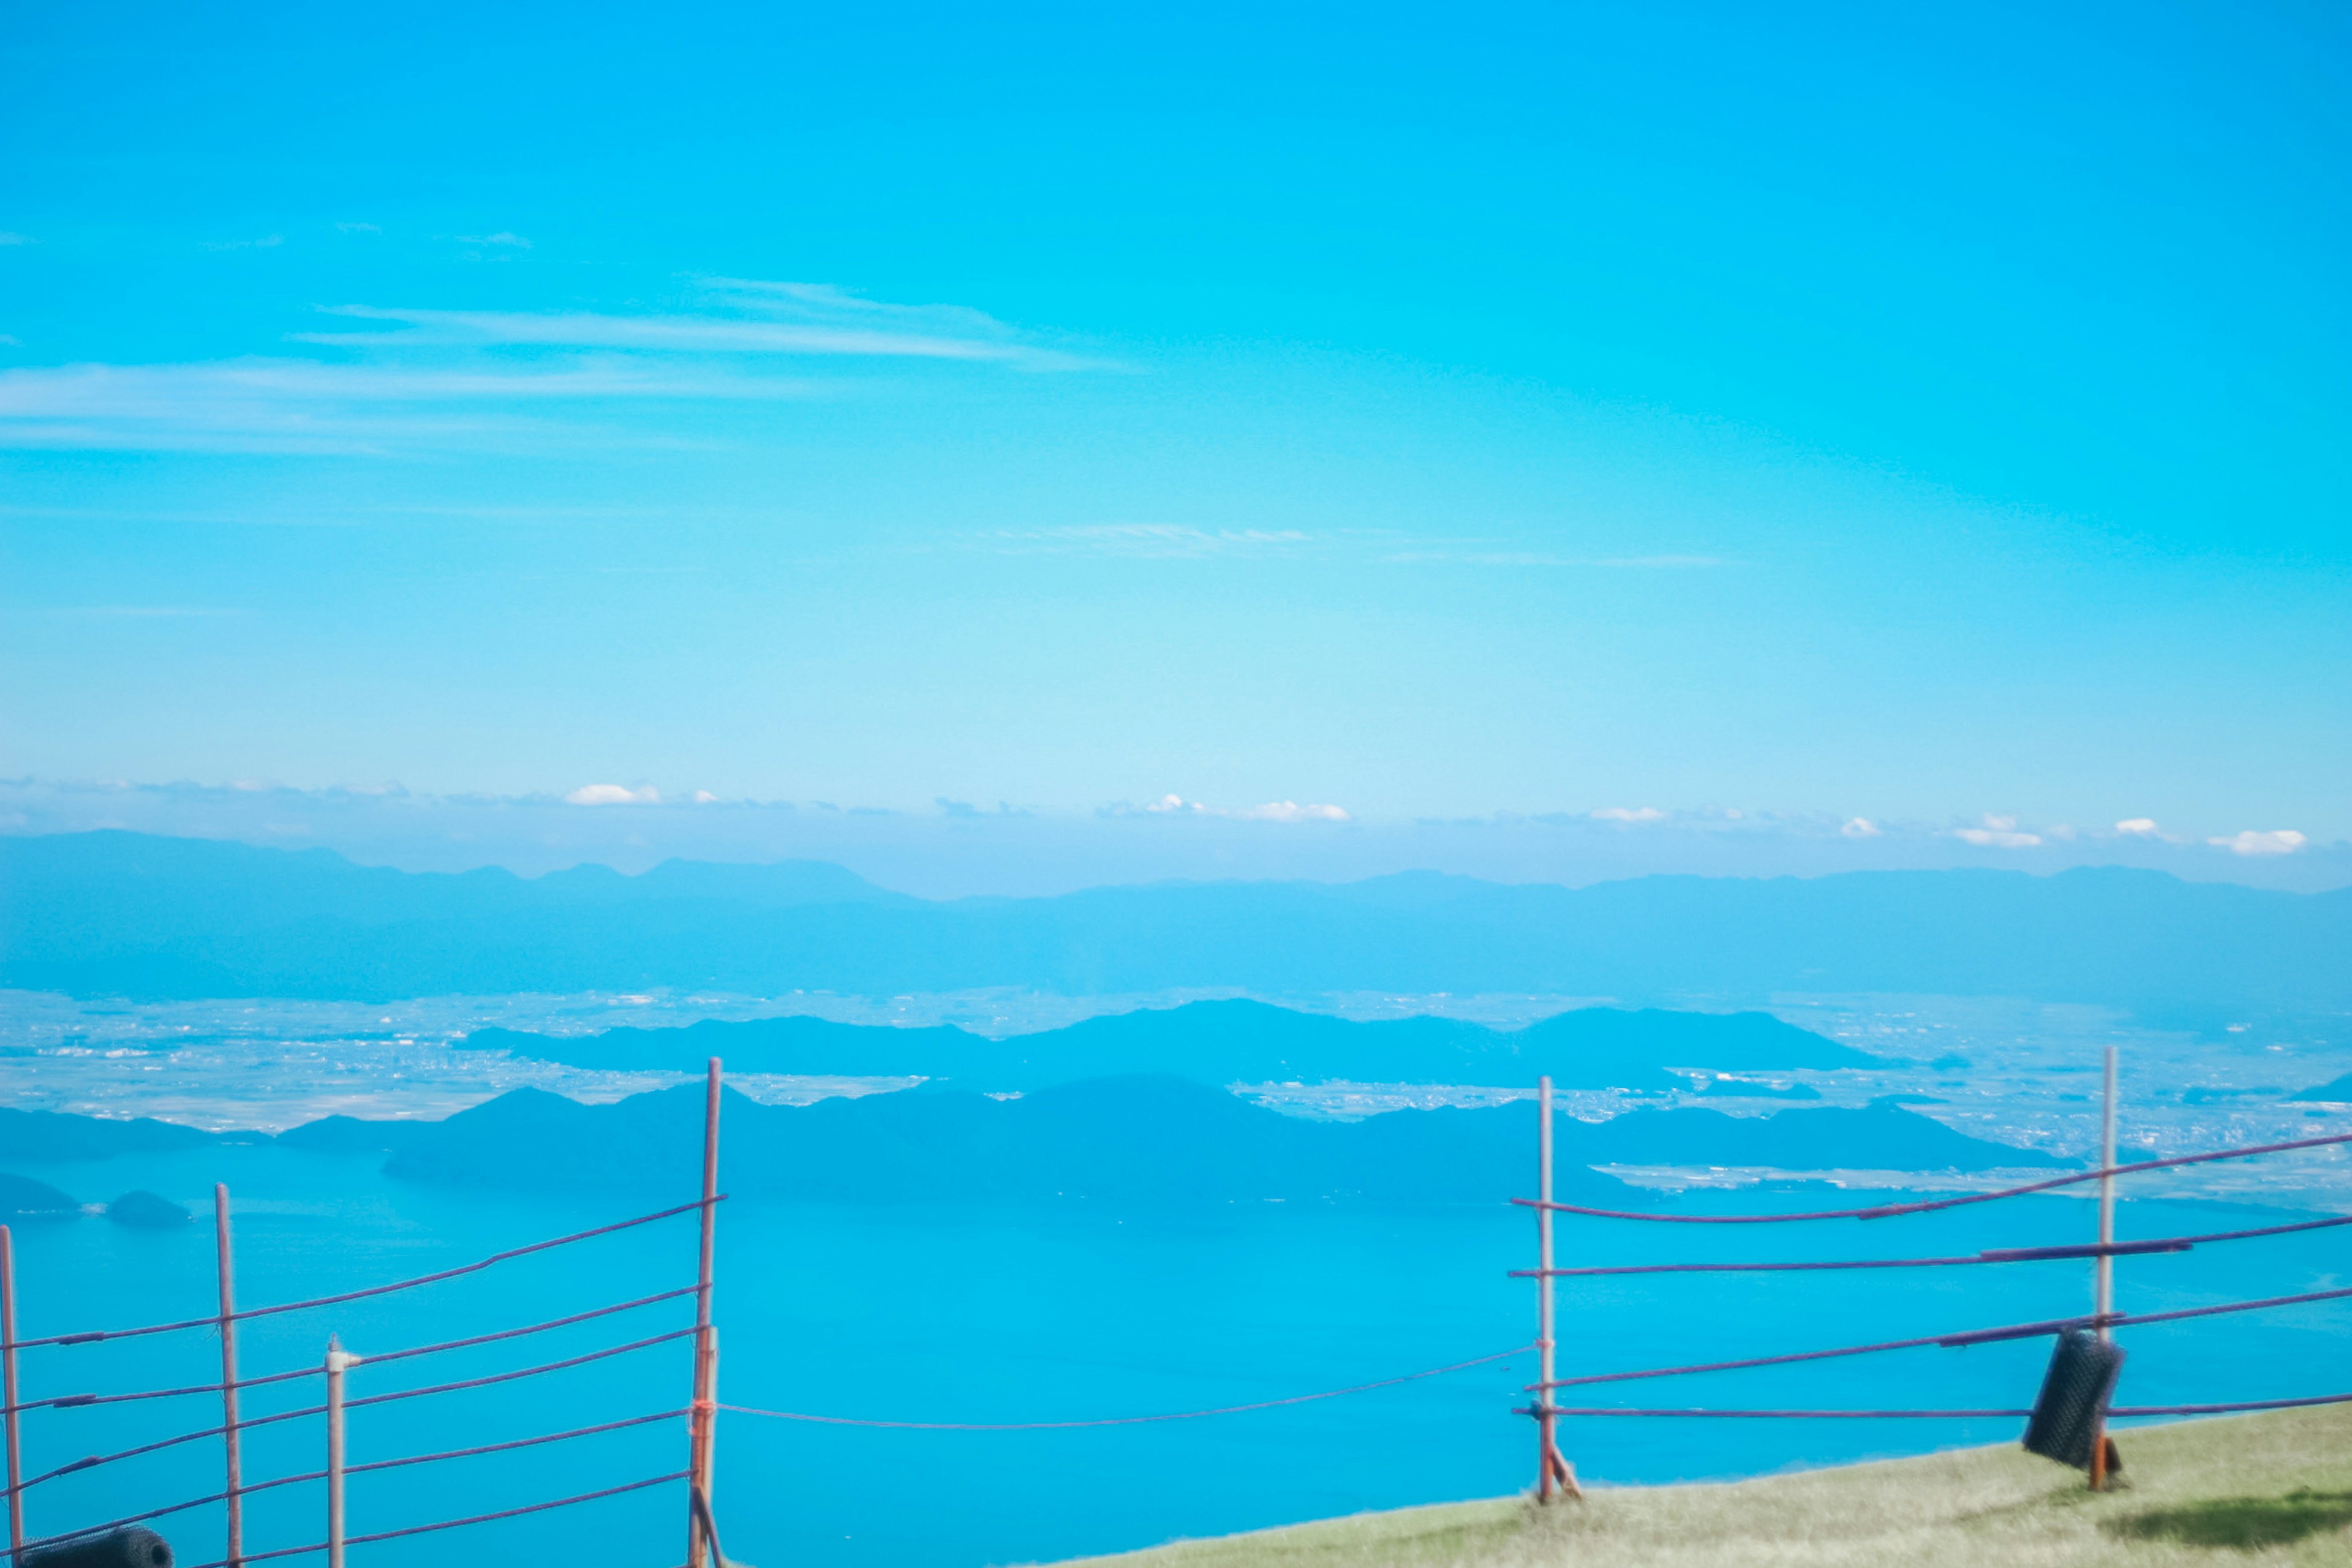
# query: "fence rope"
{"points": [[1996, 1255], [1956, 1414], [75, 1400], [274, 1482], [455, 1523], [1889, 1211], [94, 1335], [1125, 1420], [1955, 1340], [275, 1416]]}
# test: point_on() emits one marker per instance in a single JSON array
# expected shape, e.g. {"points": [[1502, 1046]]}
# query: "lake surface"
{"points": [[1054, 1312]]}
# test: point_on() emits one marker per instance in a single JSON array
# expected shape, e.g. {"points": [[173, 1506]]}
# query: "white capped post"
{"points": [[338, 1362]]}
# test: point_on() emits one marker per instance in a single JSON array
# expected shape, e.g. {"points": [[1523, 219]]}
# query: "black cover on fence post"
{"points": [[132, 1548], [2072, 1410]]}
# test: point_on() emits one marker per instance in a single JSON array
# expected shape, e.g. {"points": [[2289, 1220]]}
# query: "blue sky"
{"points": [[1816, 414]]}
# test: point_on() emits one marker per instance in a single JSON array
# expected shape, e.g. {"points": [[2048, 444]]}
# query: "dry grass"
{"points": [[2257, 1490]]}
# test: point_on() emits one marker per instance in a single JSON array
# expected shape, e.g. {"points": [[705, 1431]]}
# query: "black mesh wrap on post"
{"points": [[132, 1548], [2071, 1413]]}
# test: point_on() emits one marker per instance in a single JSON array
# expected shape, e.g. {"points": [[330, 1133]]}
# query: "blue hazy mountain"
{"points": [[1223, 1042], [1148, 1138], [2334, 1089], [123, 914]]}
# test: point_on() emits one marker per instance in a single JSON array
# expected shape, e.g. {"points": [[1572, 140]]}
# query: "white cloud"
{"points": [[614, 794], [358, 228], [1542, 558], [1629, 814], [704, 797], [8, 238], [743, 342], [1291, 811], [512, 241], [1862, 827], [2138, 827], [914, 336], [1997, 833], [1149, 541], [2275, 841], [267, 242], [1273, 811]]}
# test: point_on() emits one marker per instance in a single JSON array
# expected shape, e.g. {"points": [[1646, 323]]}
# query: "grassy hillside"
{"points": [[2256, 1489]]}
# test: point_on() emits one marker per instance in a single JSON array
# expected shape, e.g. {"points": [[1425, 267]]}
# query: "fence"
{"points": [[698, 1412], [1552, 1467], [1553, 1472]]}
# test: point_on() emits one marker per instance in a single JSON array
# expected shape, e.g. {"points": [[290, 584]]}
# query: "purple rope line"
{"points": [[1997, 1254], [1967, 1337], [90, 1530], [94, 1335], [75, 1400], [455, 1523], [97, 1459], [1952, 1414], [1888, 1211]]}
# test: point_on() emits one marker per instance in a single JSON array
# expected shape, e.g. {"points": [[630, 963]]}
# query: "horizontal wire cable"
{"points": [[1955, 1340], [1790, 1414], [90, 1530], [1889, 1211], [1123, 1420], [75, 1400], [95, 1460], [455, 1523], [1897, 1414], [1996, 1255], [94, 1335]]}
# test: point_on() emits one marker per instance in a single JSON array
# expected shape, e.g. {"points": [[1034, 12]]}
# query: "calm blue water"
{"points": [[1052, 1313]]}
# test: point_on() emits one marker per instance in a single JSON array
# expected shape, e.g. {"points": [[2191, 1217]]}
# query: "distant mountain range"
{"points": [[1148, 1138], [1223, 1042], [121, 914]]}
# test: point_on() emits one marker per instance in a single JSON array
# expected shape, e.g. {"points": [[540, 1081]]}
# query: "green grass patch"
{"points": [[2254, 1489]]}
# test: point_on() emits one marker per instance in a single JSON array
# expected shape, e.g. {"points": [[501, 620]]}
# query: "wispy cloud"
{"points": [[1546, 558], [1862, 827], [267, 242], [672, 334], [2253, 841], [8, 239], [1627, 814], [2138, 827], [1153, 540], [357, 228], [425, 379], [510, 241]]}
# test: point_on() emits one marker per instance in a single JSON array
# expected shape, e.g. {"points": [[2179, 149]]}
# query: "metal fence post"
{"points": [[232, 1496], [702, 1417], [337, 1363], [8, 1392], [2103, 1276], [1543, 1290]]}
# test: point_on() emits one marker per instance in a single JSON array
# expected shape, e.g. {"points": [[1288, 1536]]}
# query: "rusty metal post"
{"points": [[2102, 1277], [233, 1493], [702, 1417], [1543, 1290], [8, 1392], [338, 1362]]}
